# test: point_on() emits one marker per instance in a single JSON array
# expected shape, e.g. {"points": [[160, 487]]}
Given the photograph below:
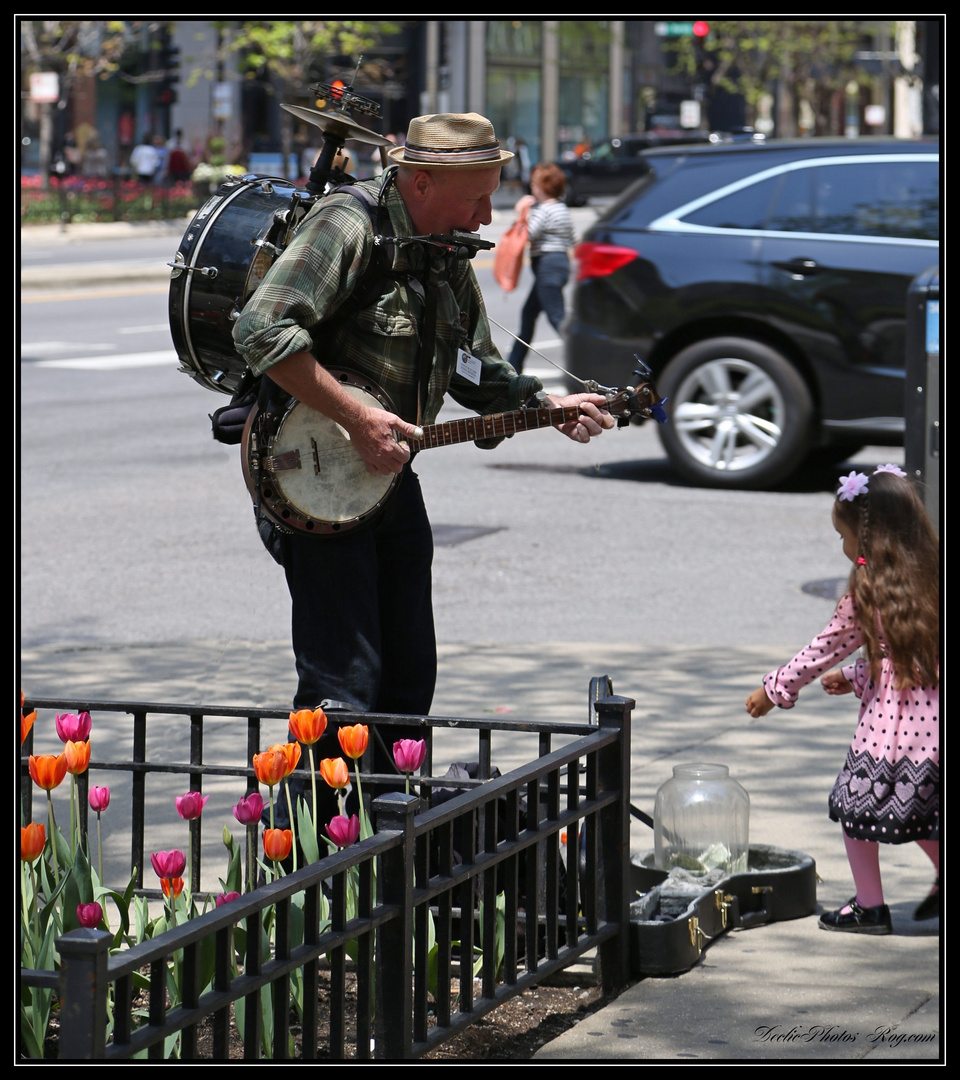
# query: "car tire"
{"points": [[739, 414]]}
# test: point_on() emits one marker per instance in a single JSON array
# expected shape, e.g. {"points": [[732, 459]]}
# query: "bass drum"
{"points": [[225, 253]]}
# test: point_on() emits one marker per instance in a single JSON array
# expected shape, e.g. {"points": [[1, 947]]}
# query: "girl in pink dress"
{"points": [[888, 790]]}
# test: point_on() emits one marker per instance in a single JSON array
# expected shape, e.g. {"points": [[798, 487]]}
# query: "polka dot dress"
{"points": [[889, 787]]}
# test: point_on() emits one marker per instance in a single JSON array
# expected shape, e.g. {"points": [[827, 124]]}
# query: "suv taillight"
{"points": [[598, 260]]}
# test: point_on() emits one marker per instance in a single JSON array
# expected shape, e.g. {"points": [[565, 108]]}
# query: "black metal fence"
{"points": [[425, 879]]}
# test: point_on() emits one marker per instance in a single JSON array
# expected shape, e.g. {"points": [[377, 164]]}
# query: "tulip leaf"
{"points": [[308, 838]]}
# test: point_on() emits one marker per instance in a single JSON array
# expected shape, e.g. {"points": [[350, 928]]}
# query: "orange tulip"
{"points": [[26, 722], [48, 770], [334, 772], [78, 756], [277, 843], [32, 839], [353, 740], [291, 755], [270, 766], [307, 725], [174, 885]]}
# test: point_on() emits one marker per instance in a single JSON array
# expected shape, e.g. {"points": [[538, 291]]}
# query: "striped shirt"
{"points": [[322, 266], [549, 228]]}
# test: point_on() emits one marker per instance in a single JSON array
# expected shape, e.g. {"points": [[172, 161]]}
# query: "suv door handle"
{"points": [[799, 267]]}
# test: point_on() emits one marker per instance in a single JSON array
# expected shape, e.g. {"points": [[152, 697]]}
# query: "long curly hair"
{"points": [[895, 583]]}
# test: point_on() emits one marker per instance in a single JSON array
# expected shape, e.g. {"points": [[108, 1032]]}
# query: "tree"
{"points": [[811, 60], [72, 48], [287, 55]]}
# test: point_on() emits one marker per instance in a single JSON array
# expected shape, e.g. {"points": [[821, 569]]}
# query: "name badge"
{"points": [[468, 366]]}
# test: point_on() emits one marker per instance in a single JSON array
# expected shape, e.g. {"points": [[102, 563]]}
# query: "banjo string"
{"points": [[537, 351]]}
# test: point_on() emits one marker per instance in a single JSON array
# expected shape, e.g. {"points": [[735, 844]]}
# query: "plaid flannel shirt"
{"points": [[293, 310]]}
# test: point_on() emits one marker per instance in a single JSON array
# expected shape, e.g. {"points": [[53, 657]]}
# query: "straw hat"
{"points": [[450, 141]]}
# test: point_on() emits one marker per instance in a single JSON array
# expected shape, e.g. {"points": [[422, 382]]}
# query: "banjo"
{"points": [[307, 476]]}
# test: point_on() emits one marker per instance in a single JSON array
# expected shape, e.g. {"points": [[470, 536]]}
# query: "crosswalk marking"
{"points": [[114, 361]]}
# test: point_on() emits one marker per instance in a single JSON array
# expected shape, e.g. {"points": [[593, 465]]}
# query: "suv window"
{"points": [[888, 198]]}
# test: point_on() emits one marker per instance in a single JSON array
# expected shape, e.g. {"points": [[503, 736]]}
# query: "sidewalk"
{"points": [[785, 991]]}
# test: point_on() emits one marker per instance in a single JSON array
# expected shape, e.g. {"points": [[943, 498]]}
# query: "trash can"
{"points": [[922, 406]]}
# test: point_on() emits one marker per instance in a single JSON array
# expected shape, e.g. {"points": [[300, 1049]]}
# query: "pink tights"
{"points": [[864, 859]]}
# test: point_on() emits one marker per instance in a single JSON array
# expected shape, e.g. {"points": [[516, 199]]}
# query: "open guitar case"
{"points": [[675, 915]]}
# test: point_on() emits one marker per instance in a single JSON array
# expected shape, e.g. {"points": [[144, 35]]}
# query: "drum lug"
{"points": [[179, 267]]}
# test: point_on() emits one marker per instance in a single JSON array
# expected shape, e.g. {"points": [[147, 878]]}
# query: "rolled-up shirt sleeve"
{"points": [[841, 637]]}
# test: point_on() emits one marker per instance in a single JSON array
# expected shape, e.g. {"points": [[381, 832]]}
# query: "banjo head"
{"points": [[311, 477]]}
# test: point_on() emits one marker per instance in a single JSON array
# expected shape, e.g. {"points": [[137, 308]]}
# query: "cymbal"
{"points": [[337, 124]]}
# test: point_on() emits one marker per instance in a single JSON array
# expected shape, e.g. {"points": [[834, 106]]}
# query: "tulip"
{"points": [[307, 725], [334, 772], [48, 770], [248, 810], [78, 757], [270, 766], [189, 806], [26, 722], [89, 915], [168, 864], [171, 885], [226, 897], [73, 727], [291, 755], [99, 798], [353, 740], [409, 754], [277, 843], [32, 839], [344, 831]]}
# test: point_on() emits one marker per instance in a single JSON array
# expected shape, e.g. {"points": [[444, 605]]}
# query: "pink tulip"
{"points": [[225, 898], [72, 727], [409, 754], [90, 915], [99, 798], [189, 806], [344, 831], [248, 810], [168, 864]]}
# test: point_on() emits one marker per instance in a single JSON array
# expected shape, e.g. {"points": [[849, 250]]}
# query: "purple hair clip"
{"points": [[851, 486], [889, 467]]}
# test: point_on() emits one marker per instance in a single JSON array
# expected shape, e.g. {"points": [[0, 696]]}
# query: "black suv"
{"points": [[765, 285]]}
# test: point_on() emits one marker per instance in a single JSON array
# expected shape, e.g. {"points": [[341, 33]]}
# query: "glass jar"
{"points": [[701, 821]]}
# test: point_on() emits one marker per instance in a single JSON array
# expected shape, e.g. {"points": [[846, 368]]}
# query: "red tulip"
{"points": [[90, 915], [168, 864], [48, 770], [344, 831], [172, 885], [277, 843], [73, 727], [409, 754], [190, 806], [334, 772], [32, 839], [353, 740], [248, 810], [307, 725], [99, 798], [78, 757]]}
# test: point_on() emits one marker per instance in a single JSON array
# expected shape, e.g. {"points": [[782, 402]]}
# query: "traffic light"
{"points": [[700, 29], [168, 61]]}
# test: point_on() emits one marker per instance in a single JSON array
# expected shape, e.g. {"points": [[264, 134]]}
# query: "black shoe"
{"points": [[858, 920], [932, 905]]}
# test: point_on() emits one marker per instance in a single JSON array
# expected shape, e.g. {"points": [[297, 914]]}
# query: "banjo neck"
{"points": [[495, 425]]}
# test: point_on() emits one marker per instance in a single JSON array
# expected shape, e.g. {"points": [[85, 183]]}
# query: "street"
{"points": [[136, 526]]}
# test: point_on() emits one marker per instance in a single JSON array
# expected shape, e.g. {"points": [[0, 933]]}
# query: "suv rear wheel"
{"points": [[740, 414]]}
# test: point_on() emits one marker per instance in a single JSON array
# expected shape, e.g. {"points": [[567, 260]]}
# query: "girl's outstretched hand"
{"points": [[758, 704], [835, 683]]}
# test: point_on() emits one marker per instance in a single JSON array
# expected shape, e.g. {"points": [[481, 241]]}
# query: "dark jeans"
{"points": [[363, 628], [550, 273]]}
